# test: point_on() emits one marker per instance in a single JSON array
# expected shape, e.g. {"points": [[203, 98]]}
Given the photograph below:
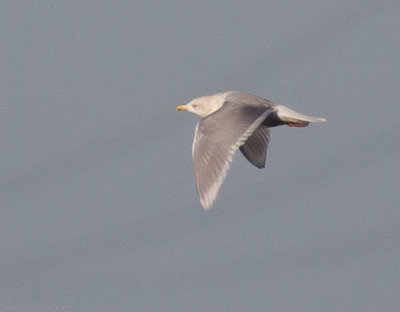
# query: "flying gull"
{"points": [[230, 121]]}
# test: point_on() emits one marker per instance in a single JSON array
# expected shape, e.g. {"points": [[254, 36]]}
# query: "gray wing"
{"points": [[255, 147], [217, 138]]}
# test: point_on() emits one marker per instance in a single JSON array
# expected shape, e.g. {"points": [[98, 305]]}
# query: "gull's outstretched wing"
{"points": [[255, 147], [217, 138]]}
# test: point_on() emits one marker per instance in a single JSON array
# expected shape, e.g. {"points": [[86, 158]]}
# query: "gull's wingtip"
{"points": [[207, 200]]}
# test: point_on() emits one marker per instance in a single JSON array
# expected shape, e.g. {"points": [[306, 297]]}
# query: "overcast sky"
{"points": [[98, 208]]}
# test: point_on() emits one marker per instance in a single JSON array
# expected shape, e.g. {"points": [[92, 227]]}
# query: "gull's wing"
{"points": [[255, 147], [217, 138]]}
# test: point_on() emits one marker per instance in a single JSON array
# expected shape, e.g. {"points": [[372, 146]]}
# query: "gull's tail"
{"points": [[295, 119]]}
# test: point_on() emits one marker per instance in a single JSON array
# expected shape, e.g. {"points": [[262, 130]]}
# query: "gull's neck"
{"points": [[211, 103]]}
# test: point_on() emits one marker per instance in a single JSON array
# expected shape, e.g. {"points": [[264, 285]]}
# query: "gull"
{"points": [[233, 120]]}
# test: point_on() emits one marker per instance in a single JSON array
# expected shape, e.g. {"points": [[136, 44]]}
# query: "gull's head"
{"points": [[205, 105]]}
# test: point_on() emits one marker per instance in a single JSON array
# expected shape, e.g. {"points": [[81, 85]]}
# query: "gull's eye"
{"points": [[194, 106]]}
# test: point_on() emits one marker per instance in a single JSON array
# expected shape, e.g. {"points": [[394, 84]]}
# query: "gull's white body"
{"points": [[233, 120]]}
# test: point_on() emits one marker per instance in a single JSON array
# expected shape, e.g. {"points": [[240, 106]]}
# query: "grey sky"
{"points": [[98, 208]]}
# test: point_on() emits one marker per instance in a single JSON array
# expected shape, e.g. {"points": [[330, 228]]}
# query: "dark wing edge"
{"points": [[255, 147]]}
